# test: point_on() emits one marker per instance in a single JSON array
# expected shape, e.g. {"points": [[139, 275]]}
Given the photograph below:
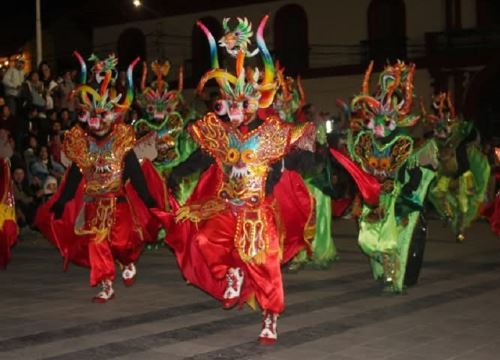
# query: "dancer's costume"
{"points": [[100, 214], [230, 238], [289, 100], [165, 114], [8, 225], [392, 234], [164, 118], [492, 210], [458, 191]]}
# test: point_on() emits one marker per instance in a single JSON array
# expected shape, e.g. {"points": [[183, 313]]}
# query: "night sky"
{"points": [[17, 18]]}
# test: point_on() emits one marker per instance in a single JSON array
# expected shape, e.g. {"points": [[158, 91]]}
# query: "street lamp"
{"points": [[137, 3], [38, 33]]}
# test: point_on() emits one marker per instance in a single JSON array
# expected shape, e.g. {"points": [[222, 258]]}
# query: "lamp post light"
{"points": [[38, 33]]}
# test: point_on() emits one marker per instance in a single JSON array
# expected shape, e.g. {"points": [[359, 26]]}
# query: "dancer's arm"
{"points": [[73, 179], [134, 172], [197, 161]]}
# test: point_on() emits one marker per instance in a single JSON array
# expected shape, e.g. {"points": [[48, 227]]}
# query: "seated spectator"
{"points": [[26, 201], [65, 119], [30, 151], [44, 166], [33, 93], [49, 188], [56, 128], [16, 160], [56, 146], [7, 120], [52, 115]]}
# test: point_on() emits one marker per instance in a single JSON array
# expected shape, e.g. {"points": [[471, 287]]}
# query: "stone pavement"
{"points": [[340, 313]]}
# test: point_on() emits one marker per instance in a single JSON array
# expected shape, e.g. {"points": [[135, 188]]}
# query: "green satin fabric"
{"points": [[451, 198], [389, 235], [186, 187], [185, 147], [323, 249]]}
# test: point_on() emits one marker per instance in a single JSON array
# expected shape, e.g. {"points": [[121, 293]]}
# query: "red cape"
{"points": [[73, 248]]}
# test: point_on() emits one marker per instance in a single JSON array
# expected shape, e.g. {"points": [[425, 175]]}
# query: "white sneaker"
{"points": [[128, 274], [234, 278], [269, 333], [107, 293]]}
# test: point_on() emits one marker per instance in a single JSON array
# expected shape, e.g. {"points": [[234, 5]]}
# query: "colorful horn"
{"points": [[83, 67], [144, 75], [217, 74], [408, 90], [213, 45], [365, 88], [130, 91], [267, 96]]}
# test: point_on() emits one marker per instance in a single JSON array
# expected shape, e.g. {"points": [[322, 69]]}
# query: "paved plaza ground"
{"points": [[340, 313]]}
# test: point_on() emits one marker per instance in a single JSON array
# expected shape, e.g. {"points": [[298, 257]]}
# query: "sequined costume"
{"points": [[459, 189], [492, 210], [165, 113], [8, 225], [288, 103], [231, 238], [101, 212], [393, 233]]}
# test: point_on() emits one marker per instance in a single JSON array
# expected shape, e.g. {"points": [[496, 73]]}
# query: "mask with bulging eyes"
{"points": [[240, 111], [247, 90], [99, 123]]}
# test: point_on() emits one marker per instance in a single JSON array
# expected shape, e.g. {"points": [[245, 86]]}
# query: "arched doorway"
{"points": [[131, 44], [386, 30], [291, 38]]}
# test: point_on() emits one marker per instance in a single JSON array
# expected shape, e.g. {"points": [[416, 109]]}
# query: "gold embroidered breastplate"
{"points": [[101, 162], [382, 160], [244, 159]]}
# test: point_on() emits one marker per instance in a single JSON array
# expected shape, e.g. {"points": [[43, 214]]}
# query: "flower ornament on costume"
{"points": [[390, 107], [241, 94], [238, 39], [102, 107]]}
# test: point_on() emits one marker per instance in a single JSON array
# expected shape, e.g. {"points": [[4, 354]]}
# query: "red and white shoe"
{"points": [[269, 333], [234, 278], [107, 293], [128, 274]]}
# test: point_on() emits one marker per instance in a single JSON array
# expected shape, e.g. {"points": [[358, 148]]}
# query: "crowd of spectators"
{"points": [[36, 109]]}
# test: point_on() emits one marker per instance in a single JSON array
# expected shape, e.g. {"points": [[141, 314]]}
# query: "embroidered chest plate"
{"points": [[101, 162], [382, 161], [244, 159]]}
